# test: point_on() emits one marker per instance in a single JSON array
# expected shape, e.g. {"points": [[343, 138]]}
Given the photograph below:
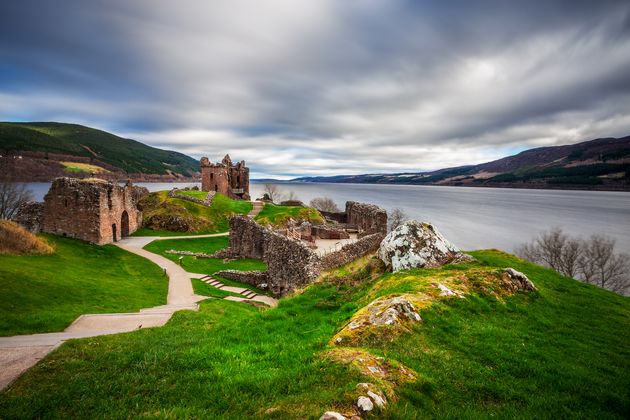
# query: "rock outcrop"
{"points": [[517, 280], [418, 245]]}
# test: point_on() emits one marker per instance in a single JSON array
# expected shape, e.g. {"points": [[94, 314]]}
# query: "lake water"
{"points": [[474, 218]]}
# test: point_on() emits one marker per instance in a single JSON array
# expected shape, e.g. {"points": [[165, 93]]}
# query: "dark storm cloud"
{"points": [[303, 87]]}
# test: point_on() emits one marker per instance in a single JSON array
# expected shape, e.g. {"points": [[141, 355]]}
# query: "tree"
{"points": [[12, 195], [273, 192], [396, 218], [592, 261], [324, 204]]}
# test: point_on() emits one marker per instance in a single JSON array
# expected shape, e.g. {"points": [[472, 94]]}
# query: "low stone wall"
{"points": [[339, 217], [207, 202], [30, 216], [351, 252], [258, 279], [327, 232]]}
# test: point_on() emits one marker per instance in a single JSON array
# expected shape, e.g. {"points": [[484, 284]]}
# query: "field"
{"points": [[82, 167], [45, 293], [561, 352]]}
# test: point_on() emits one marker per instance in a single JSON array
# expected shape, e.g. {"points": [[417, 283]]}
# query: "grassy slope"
{"points": [[129, 155], [272, 214], [213, 219], [562, 352], [47, 292]]}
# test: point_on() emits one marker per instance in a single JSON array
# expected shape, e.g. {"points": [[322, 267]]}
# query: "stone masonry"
{"points": [[291, 264], [365, 218], [89, 209], [225, 178]]}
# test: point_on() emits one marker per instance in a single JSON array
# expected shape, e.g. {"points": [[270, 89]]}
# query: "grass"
{"points": [[560, 352], [82, 167], [275, 215], [159, 210], [206, 265], [47, 292]]}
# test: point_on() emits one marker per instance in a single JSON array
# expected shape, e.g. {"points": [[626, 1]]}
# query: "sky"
{"points": [[323, 87]]}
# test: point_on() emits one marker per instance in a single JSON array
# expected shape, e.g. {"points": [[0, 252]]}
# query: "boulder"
{"points": [[418, 245], [518, 280], [365, 404], [378, 400]]}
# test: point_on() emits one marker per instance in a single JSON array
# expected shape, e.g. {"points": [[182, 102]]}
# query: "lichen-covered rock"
{"points": [[385, 314], [414, 244], [378, 400], [518, 280]]}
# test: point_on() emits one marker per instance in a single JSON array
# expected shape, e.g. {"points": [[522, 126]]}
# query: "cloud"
{"points": [[325, 87]]}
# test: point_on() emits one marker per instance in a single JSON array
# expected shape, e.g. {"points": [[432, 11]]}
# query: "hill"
{"points": [[561, 351], [50, 149], [602, 164]]}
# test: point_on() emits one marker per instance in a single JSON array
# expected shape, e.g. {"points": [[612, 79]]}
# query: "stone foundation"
{"points": [[257, 279]]}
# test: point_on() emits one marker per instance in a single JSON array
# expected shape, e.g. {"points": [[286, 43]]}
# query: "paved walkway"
{"points": [[19, 353], [258, 206]]}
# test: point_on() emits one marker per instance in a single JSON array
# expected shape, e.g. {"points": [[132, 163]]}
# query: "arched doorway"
{"points": [[124, 224], [114, 236]]}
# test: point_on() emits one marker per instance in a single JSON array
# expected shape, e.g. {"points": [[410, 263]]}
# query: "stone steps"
{"points": [[247, 295]]}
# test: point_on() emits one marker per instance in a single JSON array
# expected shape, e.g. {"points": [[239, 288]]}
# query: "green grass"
{"points": [[201, 219], [47, 292], [561, 352], [273, 214], [206, 265]]}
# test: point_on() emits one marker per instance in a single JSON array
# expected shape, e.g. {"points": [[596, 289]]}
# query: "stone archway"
{"points": [[124, 224]]}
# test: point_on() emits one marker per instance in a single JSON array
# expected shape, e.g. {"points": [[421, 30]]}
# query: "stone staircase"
{"points": [[258, 206], [248, 295]]}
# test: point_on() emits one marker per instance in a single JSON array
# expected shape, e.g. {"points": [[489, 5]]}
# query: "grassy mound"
{"points": [[166, 216], [15, 240], [559, 352], [47, 292], [275, 215]]}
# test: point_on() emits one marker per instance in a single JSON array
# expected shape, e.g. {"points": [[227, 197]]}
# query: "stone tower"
{"points": [[225, 178]]}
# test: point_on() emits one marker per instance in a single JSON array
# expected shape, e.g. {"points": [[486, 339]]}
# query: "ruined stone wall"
{"points": [[290, 263], [30, 216], [327, 232], [351, 252], [339, 217], [93, 210], [366, 218]]}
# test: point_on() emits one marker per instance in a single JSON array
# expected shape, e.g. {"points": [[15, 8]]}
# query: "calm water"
{"points": [[475, 218]]}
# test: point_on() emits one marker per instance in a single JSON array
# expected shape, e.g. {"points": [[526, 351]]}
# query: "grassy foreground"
{"points": [[560, 352], [43, 293], [273, 214]]}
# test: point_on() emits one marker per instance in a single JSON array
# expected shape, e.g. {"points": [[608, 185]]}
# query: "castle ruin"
{"points": [[93, 210], [225, 178]]}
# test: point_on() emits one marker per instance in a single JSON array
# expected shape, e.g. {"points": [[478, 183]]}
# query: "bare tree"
{"points": [[396, 218], [12, 195], [324, 204], [273, 192], [592, 261]]}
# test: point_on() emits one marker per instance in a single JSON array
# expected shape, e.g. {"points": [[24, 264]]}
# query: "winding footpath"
{"points": [[19, 353]]}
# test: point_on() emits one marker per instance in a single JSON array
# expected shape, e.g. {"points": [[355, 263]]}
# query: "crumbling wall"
{"points": [[352, 251], [30, 216], [257, 279], [327, 232], [225, 178], [290, 263], [339, 217], [366, 218]]}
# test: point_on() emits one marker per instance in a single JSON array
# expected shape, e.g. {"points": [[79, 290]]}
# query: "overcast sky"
{"points": [[323, 87]]}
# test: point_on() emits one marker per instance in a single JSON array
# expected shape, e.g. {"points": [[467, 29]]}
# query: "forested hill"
{"points": [[40, 151], [596, 164]]}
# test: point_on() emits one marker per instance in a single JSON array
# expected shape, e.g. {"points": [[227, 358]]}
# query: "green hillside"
{"points": [[71, 139], [560, 352]]}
